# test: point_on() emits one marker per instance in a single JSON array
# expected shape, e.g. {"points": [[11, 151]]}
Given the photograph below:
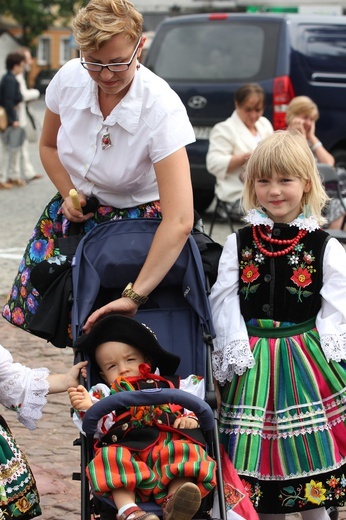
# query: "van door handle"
{"points": [[327, 77]]}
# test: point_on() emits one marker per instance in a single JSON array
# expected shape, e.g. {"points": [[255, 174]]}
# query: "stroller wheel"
{"points": [[333, 513]]}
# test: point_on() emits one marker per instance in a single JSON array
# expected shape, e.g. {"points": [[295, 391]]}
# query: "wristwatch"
{"points": [[133, 295]]}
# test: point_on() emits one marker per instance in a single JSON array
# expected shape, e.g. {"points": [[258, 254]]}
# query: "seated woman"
{"points": [[232, 141], [302, 114]]}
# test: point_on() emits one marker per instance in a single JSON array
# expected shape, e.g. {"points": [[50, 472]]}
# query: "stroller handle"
{"points": [[150, 397]]}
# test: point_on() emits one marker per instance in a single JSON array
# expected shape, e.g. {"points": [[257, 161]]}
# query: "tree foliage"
{"points": [[36, 16]]}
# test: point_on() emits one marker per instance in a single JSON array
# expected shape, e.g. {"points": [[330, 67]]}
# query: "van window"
{"points": [[212, 51], [320, 44]]}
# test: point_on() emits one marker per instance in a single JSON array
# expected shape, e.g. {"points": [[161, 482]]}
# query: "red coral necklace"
{"points": [[291, 243]]}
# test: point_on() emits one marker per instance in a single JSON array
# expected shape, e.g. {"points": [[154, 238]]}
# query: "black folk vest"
{"points": [[284, 288]]}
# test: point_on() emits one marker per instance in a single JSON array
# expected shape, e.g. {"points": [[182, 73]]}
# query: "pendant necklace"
{"points": [[106, 139]]}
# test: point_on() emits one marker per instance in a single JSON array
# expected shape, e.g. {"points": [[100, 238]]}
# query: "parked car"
{"points": [[207, 57], [43, 78]]}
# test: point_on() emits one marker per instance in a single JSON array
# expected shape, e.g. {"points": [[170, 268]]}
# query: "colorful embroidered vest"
{"points": [[284, 288]]}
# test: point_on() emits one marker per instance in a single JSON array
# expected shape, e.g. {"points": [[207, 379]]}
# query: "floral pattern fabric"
{"points": [[23, 298]]}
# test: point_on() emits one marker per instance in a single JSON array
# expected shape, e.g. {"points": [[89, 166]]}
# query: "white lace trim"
{"points": [[234, 358], [35, 399], [259, 218], [334, 346], [252, 429]]}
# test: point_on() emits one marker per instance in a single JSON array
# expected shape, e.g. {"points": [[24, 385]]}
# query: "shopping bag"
{"points": [[238, 503], [3, 119]]}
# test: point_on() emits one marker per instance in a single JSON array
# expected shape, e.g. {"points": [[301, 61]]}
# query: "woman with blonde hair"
{"points": [[115, 131], [302, 114]]}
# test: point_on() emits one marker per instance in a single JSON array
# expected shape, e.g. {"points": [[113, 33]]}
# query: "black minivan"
{"points": [[207, 57]]}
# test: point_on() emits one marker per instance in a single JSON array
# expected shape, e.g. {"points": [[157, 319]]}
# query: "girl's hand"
{"points": [[80, 398], [185, 422], [72, 376], [123, 305]]}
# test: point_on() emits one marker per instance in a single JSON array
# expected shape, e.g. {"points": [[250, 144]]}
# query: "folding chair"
{"points": [[334, 180], [230, 217]]}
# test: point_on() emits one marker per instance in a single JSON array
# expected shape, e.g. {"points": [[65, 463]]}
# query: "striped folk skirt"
{"points": [[150, 471], [283, 421]]}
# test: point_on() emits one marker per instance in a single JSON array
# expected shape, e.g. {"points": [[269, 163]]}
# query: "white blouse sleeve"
{"points": [[22, 389], [331, 319], [232, 354]]}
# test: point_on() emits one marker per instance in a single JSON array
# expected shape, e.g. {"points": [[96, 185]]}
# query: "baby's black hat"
{"points": [[127, 330]]}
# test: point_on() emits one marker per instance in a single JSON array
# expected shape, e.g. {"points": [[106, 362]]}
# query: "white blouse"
{"points": [[149, 124], [22, 389], [232, 354]]}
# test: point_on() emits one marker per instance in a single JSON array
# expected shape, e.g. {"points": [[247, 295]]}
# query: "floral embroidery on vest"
{"points": [[300, 260], [302, 272], [249, 266]]}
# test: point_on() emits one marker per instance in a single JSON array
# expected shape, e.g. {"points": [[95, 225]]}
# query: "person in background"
{"points": [[144, 452], [232, 142], [10, 98], [24, 390], [29, 95], [115, 131], [279, 312], [302, 114]]}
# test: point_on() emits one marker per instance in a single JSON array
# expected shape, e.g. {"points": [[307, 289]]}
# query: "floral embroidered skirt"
{"points": [[18, 494], [23, 298], [283, 421]]}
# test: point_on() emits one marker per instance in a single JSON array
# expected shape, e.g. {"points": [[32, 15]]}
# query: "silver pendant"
{"points": [[106, 140]]}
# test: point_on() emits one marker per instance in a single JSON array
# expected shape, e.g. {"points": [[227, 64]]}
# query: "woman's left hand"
{"points": [[123, 305]]}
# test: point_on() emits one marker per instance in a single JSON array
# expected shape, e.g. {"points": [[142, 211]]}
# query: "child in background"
{"points": [[279, 311], [143, 452], [24, 390]]}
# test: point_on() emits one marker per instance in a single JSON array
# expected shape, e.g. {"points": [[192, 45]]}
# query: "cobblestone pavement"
{"points": [[49, 448]]}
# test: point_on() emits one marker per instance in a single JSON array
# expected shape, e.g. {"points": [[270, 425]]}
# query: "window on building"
{"points": [[44, 51], [65, 50]]}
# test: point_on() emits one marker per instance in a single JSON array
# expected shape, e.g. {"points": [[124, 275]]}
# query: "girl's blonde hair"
{"points": [[100, 20], [301, 105], [287, 154]]}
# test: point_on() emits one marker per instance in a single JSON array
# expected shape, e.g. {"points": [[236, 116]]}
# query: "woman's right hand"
{"points": [[73, 214], [123, 305]]}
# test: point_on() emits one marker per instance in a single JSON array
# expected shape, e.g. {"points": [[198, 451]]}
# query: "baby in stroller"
{"points": [[143, 452]]}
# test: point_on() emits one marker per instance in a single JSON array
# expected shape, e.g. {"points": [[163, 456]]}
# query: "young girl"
{"points": [[24, 390], [279, 310], [143, 452]]}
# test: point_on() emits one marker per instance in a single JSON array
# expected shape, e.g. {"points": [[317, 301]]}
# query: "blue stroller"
{"points": [[177, 311]]}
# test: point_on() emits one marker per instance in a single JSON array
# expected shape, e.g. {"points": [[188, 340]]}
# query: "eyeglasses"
{"points": [[113, 67]]}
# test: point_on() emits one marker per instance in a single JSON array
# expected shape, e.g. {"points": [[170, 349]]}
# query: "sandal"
{"points": [[132, 513], [184, 504]]}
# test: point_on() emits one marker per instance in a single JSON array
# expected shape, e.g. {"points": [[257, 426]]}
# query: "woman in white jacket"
{"points": [[232, 141]]}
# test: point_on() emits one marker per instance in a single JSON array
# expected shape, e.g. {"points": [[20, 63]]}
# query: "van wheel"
{"points": [[340, 157]]}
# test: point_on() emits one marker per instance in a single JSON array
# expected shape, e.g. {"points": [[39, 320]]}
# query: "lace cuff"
{"points": [[35, 398], [234, 358], [334, 346]]}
